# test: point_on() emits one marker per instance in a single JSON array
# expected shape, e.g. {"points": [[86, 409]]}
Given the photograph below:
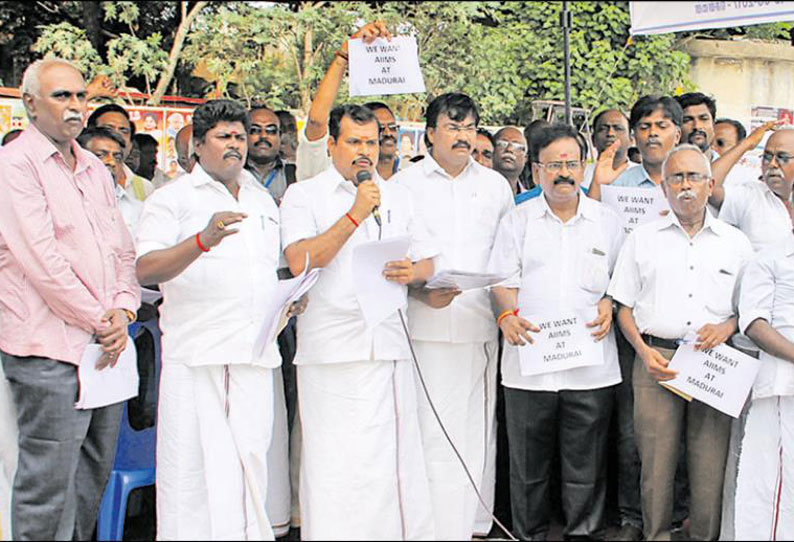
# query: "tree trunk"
{"points": [[176, 50], [306, 91], [92, 23]]}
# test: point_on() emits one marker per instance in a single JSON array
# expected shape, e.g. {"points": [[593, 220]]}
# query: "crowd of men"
{"points": [[353, 431]]}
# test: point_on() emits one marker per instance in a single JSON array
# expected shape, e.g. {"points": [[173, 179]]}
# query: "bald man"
{"points": [[510, 156], [184, 148]]}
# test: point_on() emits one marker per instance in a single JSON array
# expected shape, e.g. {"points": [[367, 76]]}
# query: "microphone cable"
{"points": [[446, 434]]}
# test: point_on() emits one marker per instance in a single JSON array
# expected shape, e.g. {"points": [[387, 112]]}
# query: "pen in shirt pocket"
{"points": [[725, 272]]}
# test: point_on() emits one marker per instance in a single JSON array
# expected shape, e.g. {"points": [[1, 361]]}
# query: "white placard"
{"points": [[108, 386], [385, 67], [721, 377], [463, 280], [634, 206], [663, 17], [378, 298], [564, 342]]}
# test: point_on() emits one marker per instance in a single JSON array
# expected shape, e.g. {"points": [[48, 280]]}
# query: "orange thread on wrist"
{"points": [[504, 315]]}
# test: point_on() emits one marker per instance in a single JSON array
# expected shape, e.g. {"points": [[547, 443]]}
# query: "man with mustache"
{"points": [[483, 148], [454, 334], [67, 278], [727, 134], [610, 125], [762, 210], [661, 300], [510, 156], [388, 162], [185, 154], [362, 468], [210, 239], [560, 237], [264, 151]]}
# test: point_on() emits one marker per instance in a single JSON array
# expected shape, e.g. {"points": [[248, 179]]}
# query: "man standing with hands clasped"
{"points": [[362, 471], [674, 276]]}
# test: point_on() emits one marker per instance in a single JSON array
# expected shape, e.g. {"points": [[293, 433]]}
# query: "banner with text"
{"points": [[385, 67], [564, 342], [663, 17], [635, 206]]}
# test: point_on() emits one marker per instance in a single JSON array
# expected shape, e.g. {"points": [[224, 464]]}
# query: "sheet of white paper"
{"points": [[385, 67], [379, 298], [287, 292], [463, 280], [564, 342], [634, 206], [110, 385], [721, 377], [150, 296]]}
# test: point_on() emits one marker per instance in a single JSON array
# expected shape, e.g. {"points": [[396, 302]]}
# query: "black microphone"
{"points": [[362, 176]]}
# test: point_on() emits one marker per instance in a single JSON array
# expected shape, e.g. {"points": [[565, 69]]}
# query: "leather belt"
{"points": [[669, 344]]}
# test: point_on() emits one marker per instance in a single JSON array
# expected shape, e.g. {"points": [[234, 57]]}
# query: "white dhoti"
{"points": [[362, 472], [461, 380], [9, 452], [214, 431], [762, 507], [278, 486], [295, 444]]}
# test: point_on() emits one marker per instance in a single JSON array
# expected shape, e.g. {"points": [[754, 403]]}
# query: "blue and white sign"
{"points": [[664, 17]]}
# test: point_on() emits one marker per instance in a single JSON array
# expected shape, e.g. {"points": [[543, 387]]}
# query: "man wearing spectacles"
{"points": [[662, 299], [264, 151], [762, 210], [510, 156], [454, 333], [558, 251], [388, 162]]}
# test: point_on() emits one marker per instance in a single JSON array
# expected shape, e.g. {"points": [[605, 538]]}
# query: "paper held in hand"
{"points": [[463, 280], [108, 386], [378, 298], [564, 342], [721, 377], [385, 67], [634, 206], [287, 292]]}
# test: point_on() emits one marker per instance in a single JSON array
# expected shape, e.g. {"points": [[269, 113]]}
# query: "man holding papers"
{"points": [[674, 276], [763, 505], [362, 472], [558, 251], [211, 240], [455, 337]]}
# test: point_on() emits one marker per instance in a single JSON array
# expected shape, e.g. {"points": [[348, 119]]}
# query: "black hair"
{"points": [[94, 132], [741, 133], [456, 106], [697, 98], [110, 108], [648, 104], [286, 119], [143, 140], [547, 135], [209, 114], [357, 113], [374, 106], [529, 134], [489, 135], [604, 112], [12, 135]]}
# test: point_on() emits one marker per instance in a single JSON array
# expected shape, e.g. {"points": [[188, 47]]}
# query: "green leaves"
{"points": [[70, 43]]}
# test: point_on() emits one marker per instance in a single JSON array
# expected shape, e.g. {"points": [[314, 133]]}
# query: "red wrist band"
{"points": [[351, 219], [202, 248]]}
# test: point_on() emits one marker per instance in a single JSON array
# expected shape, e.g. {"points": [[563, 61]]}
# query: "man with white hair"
{"points": [[674, 276], [67, 278]]}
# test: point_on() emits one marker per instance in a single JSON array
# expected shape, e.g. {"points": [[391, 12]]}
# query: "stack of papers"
{"points": [[378, 298], [464, 280], [99, 388]]}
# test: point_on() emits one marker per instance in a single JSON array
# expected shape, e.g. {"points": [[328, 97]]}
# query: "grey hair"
{"points": [[686, 147], [31, 83]]}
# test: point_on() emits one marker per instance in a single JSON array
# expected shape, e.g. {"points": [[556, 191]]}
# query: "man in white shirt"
{"points": [[215, 412], [455, 338], [762, 210], [362, 469], [609, 126], [558, 251], [674, 276], [762, 505]]}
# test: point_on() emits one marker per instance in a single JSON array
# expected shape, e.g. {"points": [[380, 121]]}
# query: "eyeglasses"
{"points": [[556, 167], [782, 158], [691, 176], [392, 126], [270, 129], [503, 144], [457, 128]]}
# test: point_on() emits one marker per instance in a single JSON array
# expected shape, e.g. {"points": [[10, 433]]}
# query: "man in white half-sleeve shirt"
{"points": [[210, 239], [762, 505], [674, 276], [456, 338], [362, 470], [558, 251]]}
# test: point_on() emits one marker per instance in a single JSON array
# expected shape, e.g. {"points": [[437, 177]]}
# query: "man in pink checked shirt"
{"points": [[67, 276]]}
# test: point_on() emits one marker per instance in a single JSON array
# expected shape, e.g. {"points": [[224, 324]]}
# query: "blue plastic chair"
{"points": [[135, 459]]}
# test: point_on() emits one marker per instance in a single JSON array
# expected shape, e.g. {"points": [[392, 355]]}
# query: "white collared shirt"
{"points": [[462, 215], [130, 209], [213, 311], [332, 329], [767, 292], [676, 284], [758, 212], [560, 267]]}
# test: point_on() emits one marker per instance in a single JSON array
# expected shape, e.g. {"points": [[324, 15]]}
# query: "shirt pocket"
{"points": [[109, 222], [721, 282], [593, 271]]}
